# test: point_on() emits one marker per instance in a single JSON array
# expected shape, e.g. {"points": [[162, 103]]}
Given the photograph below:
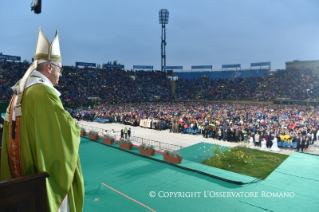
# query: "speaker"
{"points": [[36, 6]]}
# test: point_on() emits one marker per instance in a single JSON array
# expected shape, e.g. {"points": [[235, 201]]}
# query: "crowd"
{"points": [[10, 73], [188, 89], [293, 84], [232, 89], [222, 121], [78, 85], [81, 85], [292, 126]]}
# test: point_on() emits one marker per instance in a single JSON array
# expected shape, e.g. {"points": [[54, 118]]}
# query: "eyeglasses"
{"points": [[61, 69]]}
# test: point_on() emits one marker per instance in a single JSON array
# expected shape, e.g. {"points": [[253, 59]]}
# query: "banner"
{"points": [[10, 57], [203, 67], [172, 67], [113, 66], [85, 64], [231, 66], [142, 67], [260, 64]]}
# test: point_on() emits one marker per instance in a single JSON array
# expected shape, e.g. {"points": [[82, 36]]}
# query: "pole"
{"points": [[164, 45], [162, 49]]}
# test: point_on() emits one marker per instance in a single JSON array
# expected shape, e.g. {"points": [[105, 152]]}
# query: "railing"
{"points": [[157, 144], [135, 139]]}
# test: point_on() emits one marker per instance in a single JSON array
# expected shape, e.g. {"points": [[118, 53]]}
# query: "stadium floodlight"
{"points": [[163, 16], [36, 7], [163, 19]]}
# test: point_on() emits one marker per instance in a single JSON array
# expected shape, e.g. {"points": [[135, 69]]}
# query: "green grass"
{"points": [[243, 160]]}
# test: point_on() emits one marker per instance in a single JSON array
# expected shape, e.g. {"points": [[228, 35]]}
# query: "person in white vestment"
{"points": [[274, 146], [251, 142], [263, 145]]}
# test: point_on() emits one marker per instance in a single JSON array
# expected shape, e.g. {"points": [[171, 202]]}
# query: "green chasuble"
{"points": [[49, 143]]}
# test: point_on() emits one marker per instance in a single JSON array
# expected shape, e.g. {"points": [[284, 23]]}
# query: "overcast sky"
{"points": [[199, 32]]}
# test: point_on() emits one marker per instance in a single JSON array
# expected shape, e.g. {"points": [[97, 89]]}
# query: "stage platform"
{"points": [[116, 180]]}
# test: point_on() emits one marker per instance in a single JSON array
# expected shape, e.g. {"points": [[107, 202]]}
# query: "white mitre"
{"points": [[44, 52]]}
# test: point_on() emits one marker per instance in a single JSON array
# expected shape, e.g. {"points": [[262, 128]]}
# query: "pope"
{"points": [[39, 135]]}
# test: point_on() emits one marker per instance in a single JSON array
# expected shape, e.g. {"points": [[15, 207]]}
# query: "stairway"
{"points": [[174, 89]]}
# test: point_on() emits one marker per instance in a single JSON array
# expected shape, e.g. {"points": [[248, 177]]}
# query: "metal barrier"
{"points": [[157, 144], [137, 140]]}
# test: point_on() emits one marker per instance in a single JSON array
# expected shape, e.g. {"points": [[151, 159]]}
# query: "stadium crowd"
{"points": [[293, 84], [10, 73], [223, 121], [78, 85], [117, 89], [232, 89], [81, 85]]}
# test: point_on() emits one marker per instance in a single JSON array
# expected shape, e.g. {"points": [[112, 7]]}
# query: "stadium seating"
{"points": [[79, 86]]}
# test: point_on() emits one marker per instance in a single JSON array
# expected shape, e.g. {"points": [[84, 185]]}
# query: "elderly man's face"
{"points": [[56, 73]]}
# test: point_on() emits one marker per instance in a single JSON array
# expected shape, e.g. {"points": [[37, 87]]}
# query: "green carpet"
{"points": [[298, 174], [136, 177], [192, 155]]}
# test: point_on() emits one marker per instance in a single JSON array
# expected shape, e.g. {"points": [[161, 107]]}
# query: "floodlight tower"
{"points": [[163, 19]]}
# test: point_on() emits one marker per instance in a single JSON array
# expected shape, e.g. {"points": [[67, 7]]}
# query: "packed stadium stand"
{"points": [[79, 85]]}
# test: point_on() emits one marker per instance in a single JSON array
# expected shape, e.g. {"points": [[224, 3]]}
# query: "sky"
{"points": [[199, 32]]}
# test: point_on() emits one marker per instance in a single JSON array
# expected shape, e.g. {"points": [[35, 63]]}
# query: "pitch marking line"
{"points": [[129, 197]]}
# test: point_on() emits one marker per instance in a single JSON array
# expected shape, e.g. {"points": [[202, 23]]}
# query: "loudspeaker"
{"points": [[37, 6]]}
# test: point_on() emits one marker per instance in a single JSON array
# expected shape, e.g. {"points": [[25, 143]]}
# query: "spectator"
{"points": [[129, 133]]}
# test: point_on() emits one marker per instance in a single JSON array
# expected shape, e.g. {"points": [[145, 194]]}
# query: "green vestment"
{"points": [[49, 143]]}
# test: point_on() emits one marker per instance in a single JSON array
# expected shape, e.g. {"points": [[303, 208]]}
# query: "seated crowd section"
{"points": [[80, 85], [249, 123], [289, 84]]}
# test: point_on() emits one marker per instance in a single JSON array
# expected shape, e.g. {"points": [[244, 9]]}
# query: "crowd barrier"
{"points": [[159, 145], [101, 120]]}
